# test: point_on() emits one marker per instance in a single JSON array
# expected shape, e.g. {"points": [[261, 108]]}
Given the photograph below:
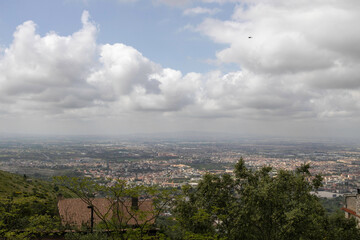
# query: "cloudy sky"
{"points": [[251, 67]]}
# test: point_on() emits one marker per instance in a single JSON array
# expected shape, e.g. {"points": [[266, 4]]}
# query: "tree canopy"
{"points": [[261, 205]]}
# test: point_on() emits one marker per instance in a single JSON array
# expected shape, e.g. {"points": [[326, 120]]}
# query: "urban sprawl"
{"points": [[173, 163]]}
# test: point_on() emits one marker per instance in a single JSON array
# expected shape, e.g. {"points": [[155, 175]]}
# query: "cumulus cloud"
{"points": [[63, 74], [287, 37], [50, 68], [294, 66], [305, 54]]}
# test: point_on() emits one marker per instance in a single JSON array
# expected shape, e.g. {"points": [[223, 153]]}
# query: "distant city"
{"points": [[173, 162]]}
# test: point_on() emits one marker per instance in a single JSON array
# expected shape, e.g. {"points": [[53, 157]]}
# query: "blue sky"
{"points": [[126, 66], [158, 31]]}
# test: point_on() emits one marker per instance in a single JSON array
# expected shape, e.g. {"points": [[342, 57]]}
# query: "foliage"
{"points": [[121, 217], [88, 236], [27, 207], [258, 205], [17, 186], [340, 228], [332, 205], [27, 217]]}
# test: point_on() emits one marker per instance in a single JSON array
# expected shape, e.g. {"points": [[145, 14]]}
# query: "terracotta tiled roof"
{"points": [[350, 211], [75, 212]]}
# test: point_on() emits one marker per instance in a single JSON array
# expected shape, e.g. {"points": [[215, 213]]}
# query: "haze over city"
{"points": [[251, 67]]}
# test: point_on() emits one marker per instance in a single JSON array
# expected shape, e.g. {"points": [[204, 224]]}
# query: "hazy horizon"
{"points": [[186, 136]]}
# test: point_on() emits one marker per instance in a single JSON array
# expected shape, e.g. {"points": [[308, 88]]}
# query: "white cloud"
{"points": [[174, 3], [300, 63], [50, 68], [311, 46], [287, 38], [59, 75], [200, 10], [122, 68]]}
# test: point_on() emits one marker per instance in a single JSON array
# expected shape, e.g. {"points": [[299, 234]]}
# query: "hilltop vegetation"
{"points": [[27, 206], [16, 186]]}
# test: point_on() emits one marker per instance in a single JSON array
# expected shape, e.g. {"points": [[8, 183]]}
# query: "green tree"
{"points": [[279, 207], [208, 209], [258, 204], [27, 217], [339, 228]]}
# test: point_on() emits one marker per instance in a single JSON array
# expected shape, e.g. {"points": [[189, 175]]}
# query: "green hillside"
{"points": [[28, 207], [15, 186]]}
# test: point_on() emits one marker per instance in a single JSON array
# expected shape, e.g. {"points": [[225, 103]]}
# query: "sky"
{"points": [[248, 67]]}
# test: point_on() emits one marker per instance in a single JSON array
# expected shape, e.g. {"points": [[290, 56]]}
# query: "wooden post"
{"points": [[91, 218]]}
